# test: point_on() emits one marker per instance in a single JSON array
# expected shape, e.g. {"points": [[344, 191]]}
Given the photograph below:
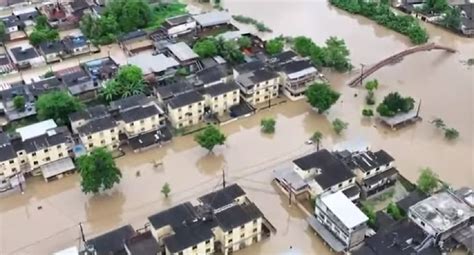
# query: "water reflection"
{"points": [[211, 163], [104, 211]]}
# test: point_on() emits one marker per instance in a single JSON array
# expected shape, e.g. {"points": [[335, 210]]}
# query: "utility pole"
{"points": [[269, 98], [362, 74], [82, 233], [418, 110], [20, 184], [223, 178]]}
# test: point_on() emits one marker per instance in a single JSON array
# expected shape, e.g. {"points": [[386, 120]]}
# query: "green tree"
{"points": [[427, 181], [210, 137], [394, 211], [19, 103], [206, 48], [452, 18], [268, 125], [48, 74], [321, 96], [369, 211], [316, 138], [110, 90], [129, 81], [98, 171], [367, 112], [3, 32], [303, 45], [230, 51], [439, 123], [129, 14], [451, 133], [165, 190], [244, 42], [337, 55], [339, 125], [57, 105], [370, 98], [435, 6], [394, 103], [372, 85], [274, 46], [41, 22]]}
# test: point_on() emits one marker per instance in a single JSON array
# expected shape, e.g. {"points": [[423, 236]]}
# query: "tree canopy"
{"points": [[452, 18], [435, 6], [210, 137], [19, 103], [274, 46], [206, 48], [316, 138], [427, 181], [268, 125], [57, 105], [42, 32], [129, 81], [321, 96], [98, 171], [372, 85], [369, 211], [3, 32], [165, 190], [244, 42], [338, 125], [394, 211], [394, 103]]}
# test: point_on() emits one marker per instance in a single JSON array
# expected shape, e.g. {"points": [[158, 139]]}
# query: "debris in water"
{"points": [[39, 207], [137, 173]]}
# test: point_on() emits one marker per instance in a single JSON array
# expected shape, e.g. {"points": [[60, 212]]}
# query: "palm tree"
{"points": [[316, 138], [133, 88], [109, 91]]}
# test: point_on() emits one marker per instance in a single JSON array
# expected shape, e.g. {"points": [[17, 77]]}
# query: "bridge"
{"points": [[396, 58]]}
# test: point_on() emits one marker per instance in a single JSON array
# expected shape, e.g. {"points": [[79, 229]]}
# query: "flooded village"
{"points": [[264, 175]]}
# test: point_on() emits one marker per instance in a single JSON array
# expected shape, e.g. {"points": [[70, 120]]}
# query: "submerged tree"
{"points": [[98, 171], [316, 138], [19, 103], [321, 96], [57, 105], [165, 190], [451, 133], [268, 125], [339, 125], [210, 137]]}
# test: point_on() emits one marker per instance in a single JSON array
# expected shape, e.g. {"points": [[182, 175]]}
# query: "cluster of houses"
{"points": [[338, 181], [466, 8], [221, 222]]}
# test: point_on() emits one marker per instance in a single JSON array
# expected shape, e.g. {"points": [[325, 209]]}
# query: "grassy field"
{"points": [[164, 11]]}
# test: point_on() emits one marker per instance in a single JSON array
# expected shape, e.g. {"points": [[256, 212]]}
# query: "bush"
{"points": [[369, 211], [367, 112], [268, 125], [370, 98], [321, 96], [427, 181], [394, 211], [247, 20], [339, 125], [274, 46], [19, 103], [451, 133], [393, 104]]}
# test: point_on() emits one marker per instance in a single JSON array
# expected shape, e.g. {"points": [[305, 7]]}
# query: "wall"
{"points": [[9, 167], [47, 155], [206, 247], [221, 103], [181, 29], [262, 92], [241, 236], [142, 126]]}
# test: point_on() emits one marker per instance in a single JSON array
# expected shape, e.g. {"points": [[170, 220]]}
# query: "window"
{"points": [[422, 223], [114, 146], [195, 247], [33, 154], [60, 155], [378, 168], [143, 129], [215, 98], [242, 227], [225, 95], [266, 89], [180, 125], [190, 106], [235, 92], [20, 153], [190, 122], [208, 241], [199, 103], [89, 137], [59, 146], [230, 240], [132, 124], [180, 253], [113, 138], [258, 100], [339, 185], [153, 117], [14, 170], [258, 93], [12, 161], [23, 161], [47, 159], [91, 145], [102, 142], [179, 109], [216, 106], [230, 232], [35, 163], [235, 100], [255, 230], [351, 180], [255, 222], [45, 150], [242, 236], [208, 250], [112, 130], [142, 121], [180, 117]]}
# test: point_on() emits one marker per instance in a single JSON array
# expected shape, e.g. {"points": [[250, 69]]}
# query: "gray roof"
{"points": [[258, 76], [174, 216], [51, 47], [7, 152], [112, 242], [22, 53], [177, 20], [221, 88], [250, 66], [45, 141], [212, 18], [92, 112], [212, 74], [132, 35], [129, 102], [222, 197], [182, 51], [73, 42], [143, 244], [237, 215], [296, 66], [152, 64], [97, 125], [174, 89], [185, 99], [139, 113]]}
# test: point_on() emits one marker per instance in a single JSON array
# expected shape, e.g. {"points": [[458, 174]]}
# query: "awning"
{"points": [[325, 234], [289, 176], [57, 167]]}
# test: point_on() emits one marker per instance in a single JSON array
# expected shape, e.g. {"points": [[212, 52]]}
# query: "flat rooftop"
{"points": [[343, 208], [442, 211]]}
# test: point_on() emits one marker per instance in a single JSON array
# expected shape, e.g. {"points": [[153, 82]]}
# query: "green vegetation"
{"points": [[268, 125], [57, 105], [394, 211], [247, 20], [367, 112], [124, 16], [339, 125], [333, 55], [316, 138], [428, 181], [182, 71], [452, 18], [42, 32], [19, 103], [393, 104], [321, 96], [210, 137], [165, 190], [449, 133], [229, 50], [129, 81], [274, 46], [48, 74], [470, 62], [371, 86], [434, 6], [98, 171], [369, 211], [3, 32], [244, 42], [380, 12]]}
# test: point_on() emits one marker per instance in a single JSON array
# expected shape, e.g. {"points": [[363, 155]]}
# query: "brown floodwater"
{"points": [[440, 80]]}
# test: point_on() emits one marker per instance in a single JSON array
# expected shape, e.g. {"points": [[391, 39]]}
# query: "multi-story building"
{"points": [[338, 221], [179, 25], [224, 221], [9, 162], [221, 97], [445, 215], [96, 128], [79, 83], [296, 76], [186, 109], [375, 171], [258, 86], [324, 173]]}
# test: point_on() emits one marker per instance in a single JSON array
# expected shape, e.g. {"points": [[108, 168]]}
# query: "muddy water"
{"points": [[439, 79]]}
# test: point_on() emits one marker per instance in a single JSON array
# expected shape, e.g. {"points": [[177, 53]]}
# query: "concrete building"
{"points": [[325, 173], [160, 66], [25, 57], [221, 97], [183, 54], [186, 109], [76, 45], [212, 19], [444, 214], [223, 222], [296, 76], [258, 86], [339, 222], [375, 171], [179, 25], [51, 51], [79, 83], [96, 128], [9, 162]]}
